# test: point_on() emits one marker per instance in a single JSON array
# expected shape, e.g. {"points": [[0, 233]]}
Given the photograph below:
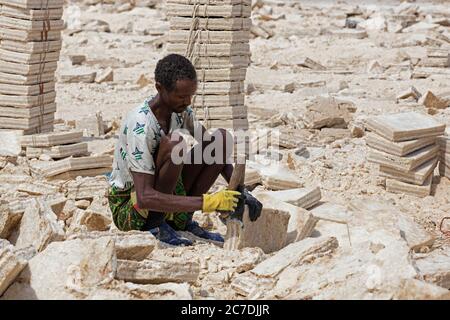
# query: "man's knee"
{"points": [[173, 145]]}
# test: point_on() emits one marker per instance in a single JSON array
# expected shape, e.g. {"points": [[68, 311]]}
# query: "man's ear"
{"points": [[159, 87]]}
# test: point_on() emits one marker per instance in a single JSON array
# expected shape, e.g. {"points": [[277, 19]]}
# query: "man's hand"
{"points": [[224, 200], [254, 206]]}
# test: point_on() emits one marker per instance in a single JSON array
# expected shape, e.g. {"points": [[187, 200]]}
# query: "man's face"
{"points": [[180, 98]]}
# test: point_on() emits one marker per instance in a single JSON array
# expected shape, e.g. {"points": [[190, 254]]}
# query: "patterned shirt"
{"points": [[139, 138]]}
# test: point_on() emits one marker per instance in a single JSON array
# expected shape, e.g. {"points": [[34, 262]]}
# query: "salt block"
{"points": [[223, 74], [405, 126], [401, 148], [407, 163], [38, 188], [413, 289], [252, 177], [32, 47], [219, 87], [79, 75], [300, 197], [221, 113], [31, 25], [232, 62], [434, 62], [294, 254], [234, 124], [158, 271], [410, 92], [444, 171], [222, 11], [213, 2], [268, 232], [72, 164], [326, 112], [9, 220], [19, 79], [58, 152], [444, 143], [130, 245], [416, 176], [233, 234], [34, 4], [52, 139], [445, 159], [414, 234], [396, 186], [92, 125], [31, 14], [217, 24], [106, 76], [429, 100], [349, 33], [423, 73], [219, 100], [27, 90], [27, 123], [73, 174], [213, 49], [77, 59], [10, 267], [86, 188], [39, 226], [28, 36], [301, 222], [309, 63], [333, 220], [329, 211], [21, 101], [28, 69], [434, 267], [65, 268], [205, 36]]}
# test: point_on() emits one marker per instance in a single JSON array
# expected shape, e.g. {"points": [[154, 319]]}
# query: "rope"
{"points": [[195, 45], [42, 57], [198, 41]]}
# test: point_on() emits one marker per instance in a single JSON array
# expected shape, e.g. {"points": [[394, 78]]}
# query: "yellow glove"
{"points": [[224, 200]]}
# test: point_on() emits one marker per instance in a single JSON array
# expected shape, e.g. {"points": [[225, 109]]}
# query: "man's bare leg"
{"points": [[166, 177], [199, 178]]}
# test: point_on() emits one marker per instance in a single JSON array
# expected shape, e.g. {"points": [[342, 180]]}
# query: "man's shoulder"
{"points": [[140, 121], [141, 117]]}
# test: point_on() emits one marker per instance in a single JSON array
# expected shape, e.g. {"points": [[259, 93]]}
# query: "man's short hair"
{"points": [[172, 68]]}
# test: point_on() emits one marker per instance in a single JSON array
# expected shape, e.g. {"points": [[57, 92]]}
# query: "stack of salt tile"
{"points": [[444, 164], [68, 151], [404, 146], [214, 35], [30, 33]]}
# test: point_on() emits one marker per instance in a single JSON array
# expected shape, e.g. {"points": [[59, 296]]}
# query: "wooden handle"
{"points": [[238, 176]]}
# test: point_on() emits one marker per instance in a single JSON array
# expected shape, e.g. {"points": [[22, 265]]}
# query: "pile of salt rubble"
{"points": [[299, 248]]}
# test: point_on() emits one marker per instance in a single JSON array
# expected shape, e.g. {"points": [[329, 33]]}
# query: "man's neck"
{"points": [[160, 110]]}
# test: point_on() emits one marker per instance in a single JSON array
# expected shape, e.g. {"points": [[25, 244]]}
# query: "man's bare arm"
{"points": [[149, 198]]}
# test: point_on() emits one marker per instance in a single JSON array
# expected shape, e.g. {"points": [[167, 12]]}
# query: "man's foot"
{"points": [[166, 234], [195, 229]]}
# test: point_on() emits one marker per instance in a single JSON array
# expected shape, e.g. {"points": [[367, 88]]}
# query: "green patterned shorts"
{"points": [[126, 217]]}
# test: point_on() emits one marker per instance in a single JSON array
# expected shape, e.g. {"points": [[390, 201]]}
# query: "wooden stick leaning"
{"points": [[234, 226]]}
